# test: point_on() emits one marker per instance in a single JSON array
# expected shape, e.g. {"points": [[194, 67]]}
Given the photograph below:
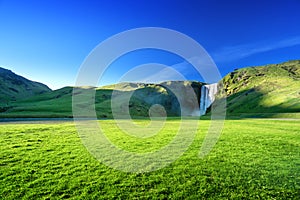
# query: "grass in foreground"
{"points": [[253, 159]]}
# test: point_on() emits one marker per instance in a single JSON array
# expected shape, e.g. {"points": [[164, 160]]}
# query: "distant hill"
{"points": [[141, 97], [14, 87], [264, 90]]}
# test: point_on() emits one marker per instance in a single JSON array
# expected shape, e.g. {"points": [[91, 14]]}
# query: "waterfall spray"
{"points": [[208, 93]]}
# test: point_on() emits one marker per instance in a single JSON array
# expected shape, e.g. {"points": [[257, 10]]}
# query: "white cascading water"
{"points": [[208, 93]]}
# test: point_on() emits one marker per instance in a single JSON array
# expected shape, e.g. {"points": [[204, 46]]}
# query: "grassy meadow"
{"points": [[253, 159]]}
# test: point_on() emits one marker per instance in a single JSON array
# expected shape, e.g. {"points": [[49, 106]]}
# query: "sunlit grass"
{"points": [[256, 159]]}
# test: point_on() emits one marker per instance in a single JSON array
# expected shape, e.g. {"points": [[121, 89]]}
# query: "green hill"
{"points": [[264, 91], [14, 87], [141, 97]]}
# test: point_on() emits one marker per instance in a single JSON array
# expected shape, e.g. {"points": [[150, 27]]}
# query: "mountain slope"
{"points": [[14, 87], [263, 91], [141, 97]]}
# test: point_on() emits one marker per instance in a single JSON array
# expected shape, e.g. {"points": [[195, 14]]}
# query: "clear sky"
{"points": [[47, 40]]}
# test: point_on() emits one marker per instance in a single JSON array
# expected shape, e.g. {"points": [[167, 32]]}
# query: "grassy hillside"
{"points": [[14, 87], [56, 103], [264, 91], [141, 97]]}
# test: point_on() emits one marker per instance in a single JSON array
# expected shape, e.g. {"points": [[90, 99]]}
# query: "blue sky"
{"points": [[47, 40]]}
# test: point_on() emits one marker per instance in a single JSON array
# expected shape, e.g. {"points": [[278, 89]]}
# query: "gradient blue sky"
{"points": [[47, 40]]}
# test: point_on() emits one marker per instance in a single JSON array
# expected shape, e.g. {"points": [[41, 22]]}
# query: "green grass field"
{"points": [[253, 159]]}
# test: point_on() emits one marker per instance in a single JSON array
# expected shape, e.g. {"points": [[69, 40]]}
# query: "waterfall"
{"points": [[208, 93]]}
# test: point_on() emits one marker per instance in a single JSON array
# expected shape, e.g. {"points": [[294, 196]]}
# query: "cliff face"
{"points": [[14, 87]]}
